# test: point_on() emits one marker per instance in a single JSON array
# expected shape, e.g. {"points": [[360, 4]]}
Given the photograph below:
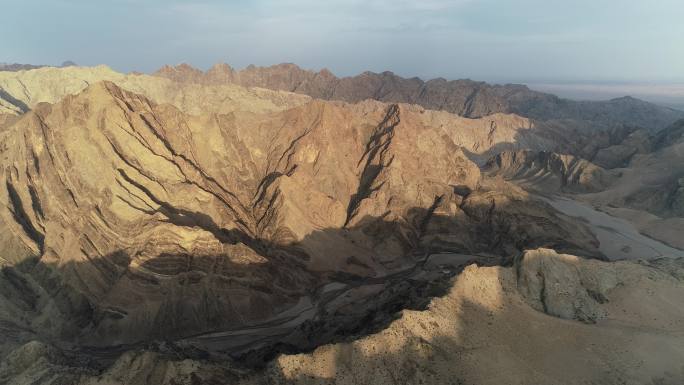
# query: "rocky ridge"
{"points": [[482, 138], [601, 142], [607, 133], [22, 91], [462, 97]]}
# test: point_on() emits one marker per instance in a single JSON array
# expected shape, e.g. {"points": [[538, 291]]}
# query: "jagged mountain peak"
{"points": [[221, 67], [326, 73]]}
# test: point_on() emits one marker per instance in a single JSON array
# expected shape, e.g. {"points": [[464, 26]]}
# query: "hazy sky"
{"points": [[495, 40]]}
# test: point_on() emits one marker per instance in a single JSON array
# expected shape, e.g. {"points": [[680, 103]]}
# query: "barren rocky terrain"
{"points": [[275, 225]]}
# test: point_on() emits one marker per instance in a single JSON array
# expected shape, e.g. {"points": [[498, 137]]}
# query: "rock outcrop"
{"points": [[564, 286]]}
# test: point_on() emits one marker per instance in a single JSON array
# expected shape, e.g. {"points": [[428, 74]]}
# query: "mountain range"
{"points": [[24, 67], [463, 97], [277, 225]]}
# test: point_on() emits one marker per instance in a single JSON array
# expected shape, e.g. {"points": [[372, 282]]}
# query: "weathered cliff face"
{"points": [[462, 97]]}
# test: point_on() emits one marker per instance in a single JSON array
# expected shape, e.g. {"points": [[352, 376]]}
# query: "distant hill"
{"points": [[468, 98], [18, 67], [24, 67]]}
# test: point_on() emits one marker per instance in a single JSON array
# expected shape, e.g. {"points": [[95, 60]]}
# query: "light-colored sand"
{"points": [[666, 230], [619, 238]]}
